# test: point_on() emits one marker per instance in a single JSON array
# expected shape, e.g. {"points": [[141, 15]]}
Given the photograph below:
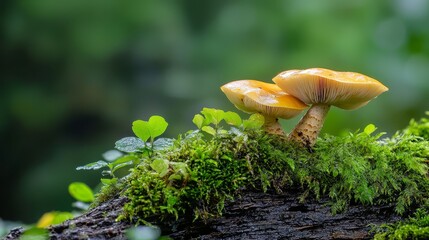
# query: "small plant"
{"points": [[211, 116], [135, 148], [145, 130]]}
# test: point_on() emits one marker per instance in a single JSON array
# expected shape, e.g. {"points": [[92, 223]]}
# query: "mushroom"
{"points": [[323, 88], [265, 98]]}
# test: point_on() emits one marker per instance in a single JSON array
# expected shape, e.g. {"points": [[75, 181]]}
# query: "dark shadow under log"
{"points": [[252, 216]]}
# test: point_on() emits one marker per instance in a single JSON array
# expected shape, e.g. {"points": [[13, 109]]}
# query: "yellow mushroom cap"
{"points": [[347, 90], [265, 98]]}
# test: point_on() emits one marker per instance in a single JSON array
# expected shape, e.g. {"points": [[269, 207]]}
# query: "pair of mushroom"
{"points": [[294, 89]]}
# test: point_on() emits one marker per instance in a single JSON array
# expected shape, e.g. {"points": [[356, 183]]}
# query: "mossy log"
{"points": [[254, 215], [366, 181]]}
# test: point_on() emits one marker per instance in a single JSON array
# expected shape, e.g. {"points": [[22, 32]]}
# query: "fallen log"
{"points": [[254, 215]]}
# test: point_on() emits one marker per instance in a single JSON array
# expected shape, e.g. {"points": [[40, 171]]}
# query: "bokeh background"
{"points": [[75, 74]]}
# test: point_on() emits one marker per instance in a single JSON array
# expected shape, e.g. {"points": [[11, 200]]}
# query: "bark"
{"points": [[254, 215]]}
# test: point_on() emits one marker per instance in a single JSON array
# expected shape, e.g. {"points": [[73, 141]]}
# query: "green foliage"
{"points": [[362, 168], [131, 150], [81, 192], [153, 196], [415, 227], [112, 162], [198, 120], [419, 128], [211, 116], [130, 144], [255, 121], [154, 127], [232, 118]]}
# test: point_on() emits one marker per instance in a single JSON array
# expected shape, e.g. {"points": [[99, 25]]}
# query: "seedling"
{"points": [[154, 127], [211, 116]]}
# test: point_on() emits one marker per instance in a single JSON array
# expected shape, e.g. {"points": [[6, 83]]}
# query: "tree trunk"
{"points": [[254, 215]]}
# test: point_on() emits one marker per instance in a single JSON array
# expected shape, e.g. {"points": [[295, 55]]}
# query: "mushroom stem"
{"points": [[272, 126], [308, 128]]}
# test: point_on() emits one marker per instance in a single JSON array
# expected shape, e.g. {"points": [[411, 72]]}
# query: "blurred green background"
{"points": [[75, 74]]}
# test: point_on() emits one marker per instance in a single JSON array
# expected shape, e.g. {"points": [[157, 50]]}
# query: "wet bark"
{"points": [[253, 216]]}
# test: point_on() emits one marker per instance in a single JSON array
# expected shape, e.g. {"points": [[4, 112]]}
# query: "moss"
{"points": [[107, 192], [418, 128], [196, 175], [215, 170], [415, 227]]}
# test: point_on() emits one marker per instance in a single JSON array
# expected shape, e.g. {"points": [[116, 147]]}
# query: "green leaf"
{"points": [[370, 128], [160, 166], [233, 118], [157, 125], [122, 162], [209, 130], [141, 129], [121, 165], [129, 144], [255, 121], [213, 115], [163, 143], [126, 158], [93, 166], [81, 192], [208, 116], [149, 129], [198, 120]]}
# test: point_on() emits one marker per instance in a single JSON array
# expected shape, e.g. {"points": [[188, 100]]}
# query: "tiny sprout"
{"points": [[154, 127]]}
